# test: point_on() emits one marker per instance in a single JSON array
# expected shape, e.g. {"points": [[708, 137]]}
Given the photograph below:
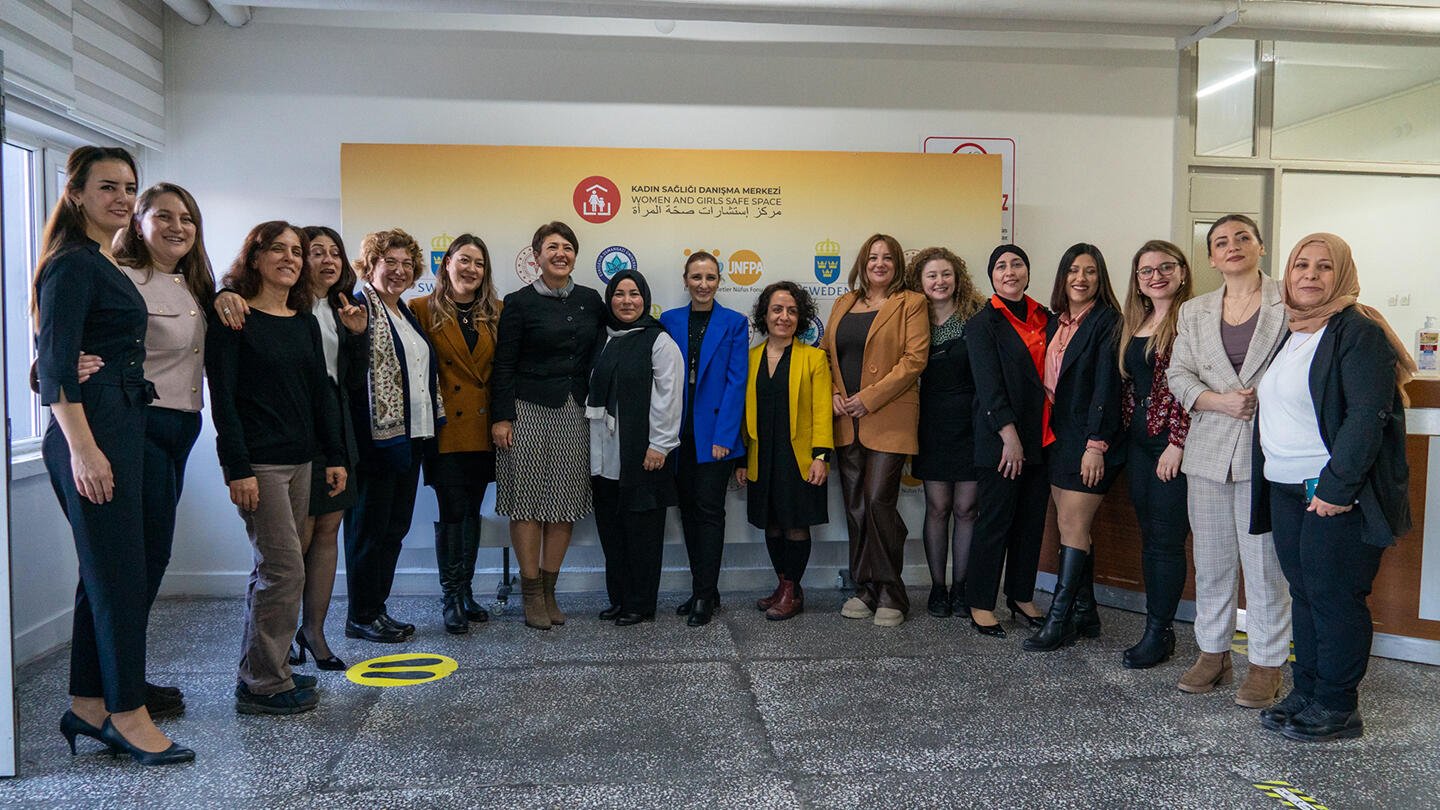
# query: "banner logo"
{"points": [[526, 268], [744, 267], [612, 260], [438, 246], [827, 261], [813, 333], [597, 199]]}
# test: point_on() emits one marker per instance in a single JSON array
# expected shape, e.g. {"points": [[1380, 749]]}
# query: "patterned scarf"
{"points": [[385, 377]]}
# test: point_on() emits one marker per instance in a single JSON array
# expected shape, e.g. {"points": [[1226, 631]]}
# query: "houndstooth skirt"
{"points": [[545, 475]]}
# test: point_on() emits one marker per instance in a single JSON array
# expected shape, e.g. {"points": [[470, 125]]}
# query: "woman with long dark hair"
{"points": [[274, 412], [1082, 383], [946, 461], [634, 409], [460, 317], [1155, 426], [788, 441], [94, 449]]}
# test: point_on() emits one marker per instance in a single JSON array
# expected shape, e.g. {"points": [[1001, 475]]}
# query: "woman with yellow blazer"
{"points": [[460, 317], [878, 340], [786, 397]]}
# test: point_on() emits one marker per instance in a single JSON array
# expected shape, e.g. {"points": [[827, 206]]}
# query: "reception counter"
{"points": [[1405, 603]]}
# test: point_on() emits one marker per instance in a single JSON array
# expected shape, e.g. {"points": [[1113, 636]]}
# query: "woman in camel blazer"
{"points": [[460, 319], [878, 340], [1223, 346]]}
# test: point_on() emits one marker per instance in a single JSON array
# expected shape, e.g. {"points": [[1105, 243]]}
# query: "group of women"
{"points": [[331, 400]]}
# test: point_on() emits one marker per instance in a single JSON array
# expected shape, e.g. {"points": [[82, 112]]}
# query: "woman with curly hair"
{"points": [[946, 461]]}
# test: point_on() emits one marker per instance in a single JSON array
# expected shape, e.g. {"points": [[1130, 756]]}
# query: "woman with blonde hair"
{"points": [[1155, 425], [946, 461], [878, 339]]}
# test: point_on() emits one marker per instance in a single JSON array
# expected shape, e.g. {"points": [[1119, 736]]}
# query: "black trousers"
{"points": [[107, 650], [1160, 510], [1008, 534], [375, 527], [870, 483], [702, 489], [169, 437], [1330, 571], [633, 543]]}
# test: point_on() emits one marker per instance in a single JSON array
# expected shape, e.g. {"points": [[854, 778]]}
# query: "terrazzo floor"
{"points": [[816, 712]]}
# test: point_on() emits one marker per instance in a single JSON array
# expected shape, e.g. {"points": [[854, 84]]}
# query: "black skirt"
{"points": [[469, 469], [780, 497], [947, 427]]}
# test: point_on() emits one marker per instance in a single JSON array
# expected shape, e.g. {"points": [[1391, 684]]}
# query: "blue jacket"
{"points": [[720, 377]]}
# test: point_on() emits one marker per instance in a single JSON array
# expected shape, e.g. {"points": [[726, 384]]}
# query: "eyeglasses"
{"points": [[1165, 270]]}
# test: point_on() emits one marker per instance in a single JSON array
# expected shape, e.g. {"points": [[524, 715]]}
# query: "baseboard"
{"points": [[43, 637]]}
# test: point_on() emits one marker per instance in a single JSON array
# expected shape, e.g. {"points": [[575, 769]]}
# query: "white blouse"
{"points": [[1289, 431], [667, 402], [417, 366]]}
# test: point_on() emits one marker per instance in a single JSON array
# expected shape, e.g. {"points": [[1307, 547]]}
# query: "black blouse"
{"points": [[87, 305], [545, 348]]}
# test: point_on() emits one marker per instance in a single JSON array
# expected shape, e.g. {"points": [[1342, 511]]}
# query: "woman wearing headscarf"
{"points": [[1006, 341], [1331, 479], [634, 408]]}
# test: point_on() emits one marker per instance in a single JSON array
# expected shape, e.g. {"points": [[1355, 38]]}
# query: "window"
{"points": [[34, 174]]}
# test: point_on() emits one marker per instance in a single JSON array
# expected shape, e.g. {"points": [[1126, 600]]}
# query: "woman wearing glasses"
{"points": [[1225, 341], [1155, 427]]}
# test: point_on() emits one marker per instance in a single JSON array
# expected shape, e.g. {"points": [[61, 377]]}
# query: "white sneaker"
{"points": [[855, 608], [888, 617]]}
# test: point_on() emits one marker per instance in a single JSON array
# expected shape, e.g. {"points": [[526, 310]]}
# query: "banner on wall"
{"points": [[768, 215], [1005, 148]]}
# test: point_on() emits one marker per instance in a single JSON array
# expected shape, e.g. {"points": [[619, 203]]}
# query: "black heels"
{"points": [[301, 645], [72, 726], [112, 737], [1034, 622], [938, 604]]}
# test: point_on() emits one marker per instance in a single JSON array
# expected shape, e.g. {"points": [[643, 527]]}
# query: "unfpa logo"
{"points": [[827, 261], [596, 199], [744, 267]]}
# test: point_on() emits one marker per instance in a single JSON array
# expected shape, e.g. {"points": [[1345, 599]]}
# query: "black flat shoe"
{"points": [[628, 619], [609, 614], [939, 603], [1034, 622], [172, 691], [685, 607], [992, 630], [1275, 717], [404, 628], [72, 726], [958, 605], [376, 631], [1319, 724], [162, 706], [119, 745], [701, 614]]}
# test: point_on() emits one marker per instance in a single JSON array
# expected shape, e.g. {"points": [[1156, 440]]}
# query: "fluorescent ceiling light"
{"points": [[1216, 87]]}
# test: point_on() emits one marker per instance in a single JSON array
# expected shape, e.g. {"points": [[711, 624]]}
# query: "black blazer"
{"points": [[1362, 422], [558, 339], [1087, 393], [1008, 389]]}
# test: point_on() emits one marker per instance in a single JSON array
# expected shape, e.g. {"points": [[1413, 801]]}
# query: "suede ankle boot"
{"points": [[1208, 671], [547, 578], [532, 592], [1260, 688]]}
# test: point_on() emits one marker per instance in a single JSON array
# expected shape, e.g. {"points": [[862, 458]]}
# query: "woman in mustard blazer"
{"points": [[460, 317], [878, 340], [786, 396]]}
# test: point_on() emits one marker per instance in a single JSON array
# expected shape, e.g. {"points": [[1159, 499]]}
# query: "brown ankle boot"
{"points": [[547, 580], [764, 602], [1208, 671], [1260, 687], [789, 604], [532, 592]]}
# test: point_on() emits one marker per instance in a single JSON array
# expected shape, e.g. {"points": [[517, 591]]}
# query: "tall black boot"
{"points": [[1087, 615], [470, 549], [449, 559], [1059, 627]]}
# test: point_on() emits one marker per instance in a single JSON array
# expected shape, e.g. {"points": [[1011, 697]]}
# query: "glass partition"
{"points": [[1225, 98]]}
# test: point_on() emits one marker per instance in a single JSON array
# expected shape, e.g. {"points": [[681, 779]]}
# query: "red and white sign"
{"points": [[597, 199], [1005, 148]]}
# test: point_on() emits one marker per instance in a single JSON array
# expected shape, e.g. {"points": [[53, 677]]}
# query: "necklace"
{"points": [[1242, 308], [465, 312]]}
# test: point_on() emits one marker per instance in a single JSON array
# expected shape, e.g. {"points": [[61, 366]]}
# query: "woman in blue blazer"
{"points": [[714, 341]]}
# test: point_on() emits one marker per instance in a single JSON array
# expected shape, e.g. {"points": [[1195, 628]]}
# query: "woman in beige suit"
{"points": [[878, 340], [1225, 341]]}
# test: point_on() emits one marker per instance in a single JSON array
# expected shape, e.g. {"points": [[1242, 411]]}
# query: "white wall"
{"points": [[255, 118]]}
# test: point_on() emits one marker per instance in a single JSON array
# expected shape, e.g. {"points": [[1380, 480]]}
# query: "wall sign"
{"points": [[1005, 148]]}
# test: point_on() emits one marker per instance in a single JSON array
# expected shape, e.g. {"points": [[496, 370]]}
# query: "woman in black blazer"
{"points": [[1082, 382], [1332, 480], [1006, 342]]}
